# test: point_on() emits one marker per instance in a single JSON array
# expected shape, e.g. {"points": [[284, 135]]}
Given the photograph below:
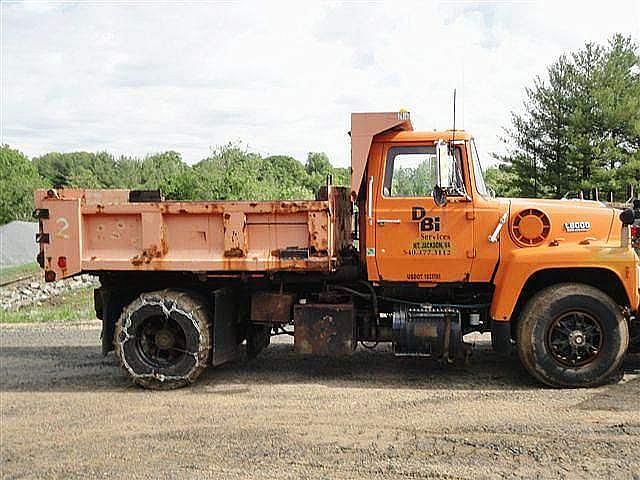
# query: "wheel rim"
{"points": [[161, 342], [575, 339]]}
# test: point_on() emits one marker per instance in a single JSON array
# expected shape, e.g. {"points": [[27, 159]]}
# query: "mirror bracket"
{"points": [[439, 196]]}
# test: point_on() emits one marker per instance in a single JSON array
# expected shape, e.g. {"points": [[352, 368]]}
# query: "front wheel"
{"points": [[572, 335]]}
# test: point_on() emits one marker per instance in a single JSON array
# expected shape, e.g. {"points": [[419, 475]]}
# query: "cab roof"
{"points": [[386, 126], [423, 136]]}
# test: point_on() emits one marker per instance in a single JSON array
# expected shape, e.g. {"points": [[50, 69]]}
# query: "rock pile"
{"points": [[35, 290]]}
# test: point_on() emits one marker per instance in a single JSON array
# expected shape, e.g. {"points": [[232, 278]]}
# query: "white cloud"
{"points": [[282, 77]]}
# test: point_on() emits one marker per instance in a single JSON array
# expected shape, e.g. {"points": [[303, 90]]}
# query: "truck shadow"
{"points": [[374, 369], [381, 369], [83, 368]]}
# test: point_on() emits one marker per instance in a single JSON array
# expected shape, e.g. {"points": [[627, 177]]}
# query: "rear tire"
{"points": [[572, 335], [162, 339]]}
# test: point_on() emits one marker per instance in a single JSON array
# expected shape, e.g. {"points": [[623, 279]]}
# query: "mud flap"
{"points": [[108, 306], [634, 335], [501, 338], [258, 338], [225, 328]]}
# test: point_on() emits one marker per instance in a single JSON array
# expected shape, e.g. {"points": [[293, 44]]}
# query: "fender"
{"points": [[518, 265]]}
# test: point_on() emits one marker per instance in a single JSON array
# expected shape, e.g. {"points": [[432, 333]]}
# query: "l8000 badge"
{"points": [[577, 226]]}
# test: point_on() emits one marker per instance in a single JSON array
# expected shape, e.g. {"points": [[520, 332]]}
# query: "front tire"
{"points": [[162, 339], [572, 335]]}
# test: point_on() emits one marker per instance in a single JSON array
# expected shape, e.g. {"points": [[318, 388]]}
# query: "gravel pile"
{"points": [[35, 290], [18, 243]]}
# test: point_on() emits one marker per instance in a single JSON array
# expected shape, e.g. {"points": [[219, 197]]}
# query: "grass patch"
{"points": [[8, 274], [71, 306]]}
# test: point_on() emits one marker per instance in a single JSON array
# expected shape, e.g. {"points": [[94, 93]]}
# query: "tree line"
{"points": [[230, 172]]}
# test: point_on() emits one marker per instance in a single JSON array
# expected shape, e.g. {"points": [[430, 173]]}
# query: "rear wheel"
{"points": [[572, 335], [162, 339]]}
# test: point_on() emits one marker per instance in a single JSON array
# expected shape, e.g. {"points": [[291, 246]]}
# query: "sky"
{"points": [[142, 77]]}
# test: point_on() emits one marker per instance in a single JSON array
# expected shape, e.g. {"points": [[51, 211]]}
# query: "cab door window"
{"points": [[413, 172]]}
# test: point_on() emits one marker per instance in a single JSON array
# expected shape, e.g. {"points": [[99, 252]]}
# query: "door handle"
{"points": [[370, 201], [382, 221]]}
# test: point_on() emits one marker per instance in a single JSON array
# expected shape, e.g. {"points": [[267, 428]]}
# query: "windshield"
{"points": [[477, 171]]}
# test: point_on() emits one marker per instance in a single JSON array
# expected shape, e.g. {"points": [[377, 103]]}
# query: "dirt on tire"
{"points": [[558, 299], [69, 412]]}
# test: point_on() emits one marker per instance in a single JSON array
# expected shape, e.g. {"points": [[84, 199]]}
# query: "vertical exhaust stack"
{"points": [[628, 218], [625, 236], [365, 126]]}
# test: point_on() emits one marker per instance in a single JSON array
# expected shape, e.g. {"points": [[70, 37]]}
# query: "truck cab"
{"points": [[430, 223]]}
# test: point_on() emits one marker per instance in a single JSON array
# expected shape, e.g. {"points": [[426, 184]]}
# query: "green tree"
{"points": [[182, 186], [79, 169], [341, 176], [541, 135], [501, 180], [105, 170], [318, 163], [18, 179], [230, 173], [286, 176], [318, 167], [159, 169], [580, 127]]}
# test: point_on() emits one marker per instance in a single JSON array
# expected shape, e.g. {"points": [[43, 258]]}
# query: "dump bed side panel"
{"points": [[104, 231]]}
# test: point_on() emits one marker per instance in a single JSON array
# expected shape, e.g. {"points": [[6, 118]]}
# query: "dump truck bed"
{"points": [[102, 230]]}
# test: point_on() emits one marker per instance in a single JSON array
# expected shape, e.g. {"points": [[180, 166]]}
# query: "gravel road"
{"points": [[67, 412]]}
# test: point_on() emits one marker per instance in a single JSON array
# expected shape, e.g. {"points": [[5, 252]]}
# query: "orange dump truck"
{"points": [[416, 252]]}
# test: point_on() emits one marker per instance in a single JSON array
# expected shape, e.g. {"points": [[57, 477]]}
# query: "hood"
{"points": [[537, 221]]}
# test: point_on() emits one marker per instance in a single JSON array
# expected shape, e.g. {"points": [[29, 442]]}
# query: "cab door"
{"points": [[417, 240]]}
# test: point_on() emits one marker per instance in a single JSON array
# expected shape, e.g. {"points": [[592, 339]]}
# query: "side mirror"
{"points": [[444, 164], [439, 196]]}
